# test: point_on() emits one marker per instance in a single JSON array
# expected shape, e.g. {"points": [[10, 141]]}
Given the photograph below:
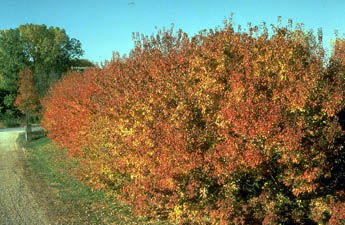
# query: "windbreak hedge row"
{"points": [[224, 127]]}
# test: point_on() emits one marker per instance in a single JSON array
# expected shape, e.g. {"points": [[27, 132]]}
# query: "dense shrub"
{"points": [[9, 119], [222, 128]]}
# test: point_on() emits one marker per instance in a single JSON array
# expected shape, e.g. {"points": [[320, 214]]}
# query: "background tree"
{"points": [[27, 100], [47, 51], [12, 60], [82, 63]]}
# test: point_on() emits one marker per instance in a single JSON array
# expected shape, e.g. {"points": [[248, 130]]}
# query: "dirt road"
{"points": [[17, 204]]}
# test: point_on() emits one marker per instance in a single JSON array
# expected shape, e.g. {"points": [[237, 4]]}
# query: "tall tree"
{"points": [[47, 51], [12, 60]]}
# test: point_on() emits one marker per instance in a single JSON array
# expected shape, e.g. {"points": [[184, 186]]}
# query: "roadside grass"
{"points": [[49, 172]]}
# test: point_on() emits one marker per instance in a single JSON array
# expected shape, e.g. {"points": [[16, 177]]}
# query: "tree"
{"points": [[27, 100], [82, 63], [12, 60], [47, 51]]}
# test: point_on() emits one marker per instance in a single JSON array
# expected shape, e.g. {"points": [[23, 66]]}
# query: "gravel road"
{"points": [[17, 204]]}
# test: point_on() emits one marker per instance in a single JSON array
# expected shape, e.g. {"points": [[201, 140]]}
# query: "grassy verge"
{"points": [[49, 172]]}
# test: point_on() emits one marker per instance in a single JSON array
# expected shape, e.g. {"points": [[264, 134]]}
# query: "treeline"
{"points": [[48, 52], [225, 127]]}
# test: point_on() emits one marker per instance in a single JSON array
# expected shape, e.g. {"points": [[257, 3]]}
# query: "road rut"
{"points": [[17, 203]]}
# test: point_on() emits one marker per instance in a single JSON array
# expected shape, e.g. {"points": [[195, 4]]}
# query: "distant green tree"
{"points": [[47, 51], [12, 60]]}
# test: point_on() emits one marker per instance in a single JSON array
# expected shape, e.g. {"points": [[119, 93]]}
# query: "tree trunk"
{"points": [[27, 127]]}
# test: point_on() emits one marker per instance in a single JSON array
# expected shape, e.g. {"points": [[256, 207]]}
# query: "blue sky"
{"points": [[104, 26]]}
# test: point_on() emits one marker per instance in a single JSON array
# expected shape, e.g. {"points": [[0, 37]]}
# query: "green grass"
{"points": [[50, 172]]}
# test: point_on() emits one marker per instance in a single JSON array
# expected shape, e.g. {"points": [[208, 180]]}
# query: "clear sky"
{"points": [[104, 26]]}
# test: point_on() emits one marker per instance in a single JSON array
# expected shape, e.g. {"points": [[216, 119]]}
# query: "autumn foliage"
{"points": [[224, 127], [27, 99]]}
